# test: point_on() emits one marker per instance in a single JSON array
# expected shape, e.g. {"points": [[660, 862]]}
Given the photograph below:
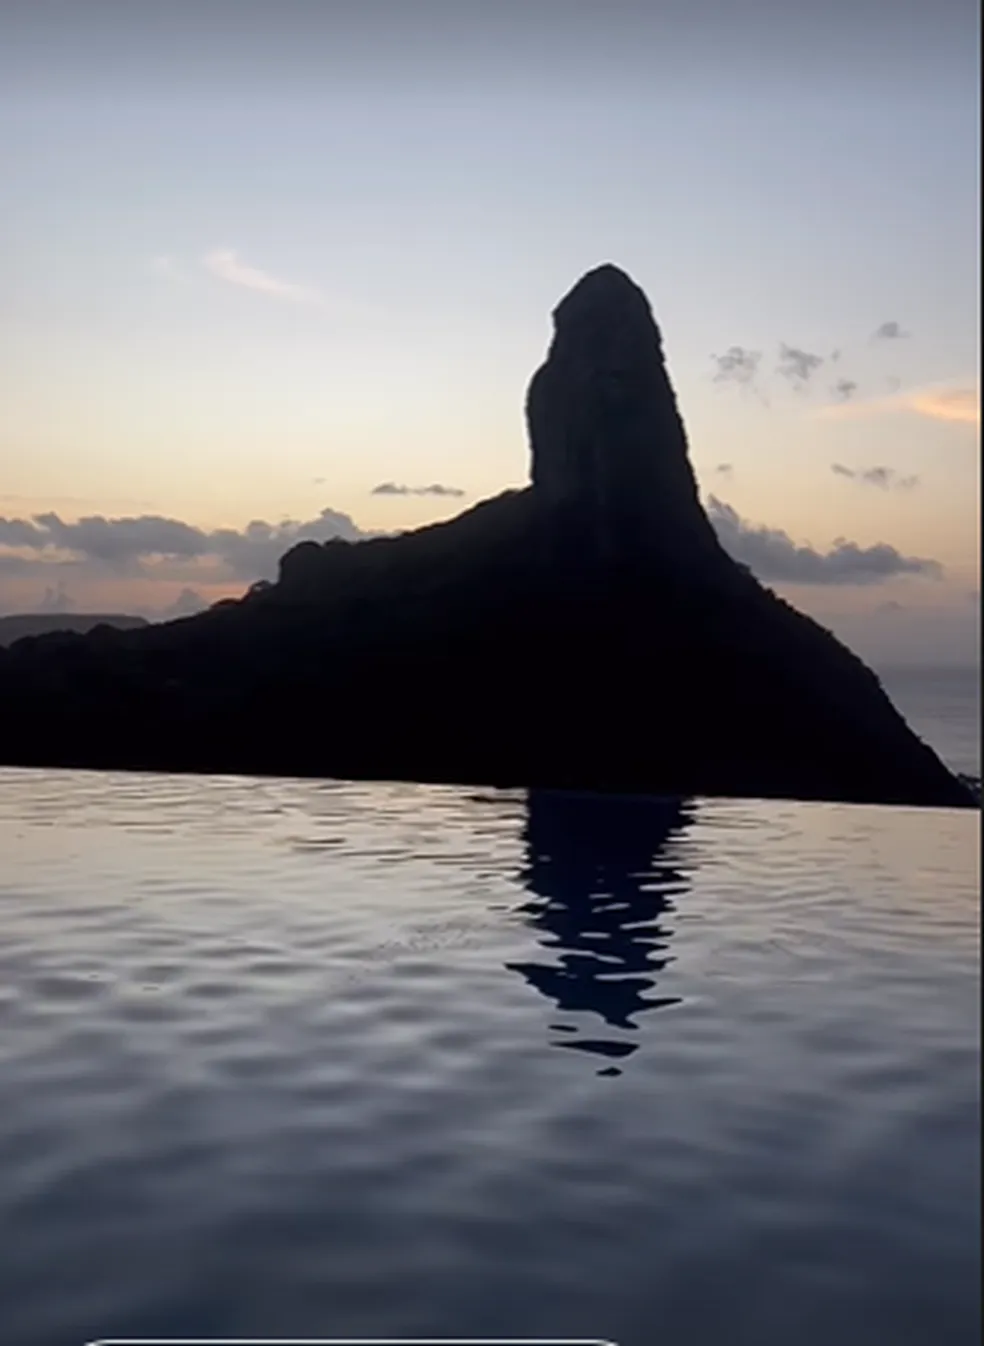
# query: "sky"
{"points": [[278, 270]]}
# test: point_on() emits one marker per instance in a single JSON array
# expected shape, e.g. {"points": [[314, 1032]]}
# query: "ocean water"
{"points": [[943, 706], [319, 1059]]}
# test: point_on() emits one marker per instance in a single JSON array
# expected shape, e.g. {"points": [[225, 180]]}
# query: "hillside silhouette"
{"points": [[586, 632], [21, 624]]}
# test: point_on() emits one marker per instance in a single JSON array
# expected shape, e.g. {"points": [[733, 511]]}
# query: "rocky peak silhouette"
{"points": [[609, 450], [587, 632]]}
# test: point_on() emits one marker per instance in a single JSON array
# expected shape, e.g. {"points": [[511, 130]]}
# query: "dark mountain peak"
{"points": [[588, 633], [604, 303], [606, 283], [609, 451]]}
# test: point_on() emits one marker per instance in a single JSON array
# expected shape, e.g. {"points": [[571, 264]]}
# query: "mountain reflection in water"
{"points": [[603, 873]]}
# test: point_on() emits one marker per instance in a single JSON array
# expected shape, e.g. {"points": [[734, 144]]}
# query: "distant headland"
{"points": [[20, 625], [587, 632]]}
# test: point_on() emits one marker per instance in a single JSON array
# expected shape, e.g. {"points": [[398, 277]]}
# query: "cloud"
{"points": [[229, 266], [958, 405], [797, 366], [128, 561], [844, 389], [948, 404], [56, 599], [771, 554], [889, 331], [187, 603], [112, 541], [123, 545], [743, 367], [393, 488], [253, 552], [738, 365], [724, 470], [884, 477]]}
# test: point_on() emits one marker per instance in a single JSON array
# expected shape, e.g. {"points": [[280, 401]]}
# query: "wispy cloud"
{"points": [[949, 404], [57, 598], [797, 366], [436, 488], [889, 331], [958, 404], [742, 367], [886, 478], [738, 365], [227, 265]]}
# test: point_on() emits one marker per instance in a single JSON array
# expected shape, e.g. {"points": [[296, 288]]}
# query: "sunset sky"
{"points": [[259, 260]]}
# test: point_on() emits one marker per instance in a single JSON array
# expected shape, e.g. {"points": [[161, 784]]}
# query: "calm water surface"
{"points": [[943, 706], [332, 1060]]}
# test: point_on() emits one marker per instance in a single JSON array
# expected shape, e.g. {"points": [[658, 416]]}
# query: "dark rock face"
{"points": [[588, 632], [608, 446]]}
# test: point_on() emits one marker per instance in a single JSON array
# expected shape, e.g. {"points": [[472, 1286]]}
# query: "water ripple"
{"points": [[281, 1057]]}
